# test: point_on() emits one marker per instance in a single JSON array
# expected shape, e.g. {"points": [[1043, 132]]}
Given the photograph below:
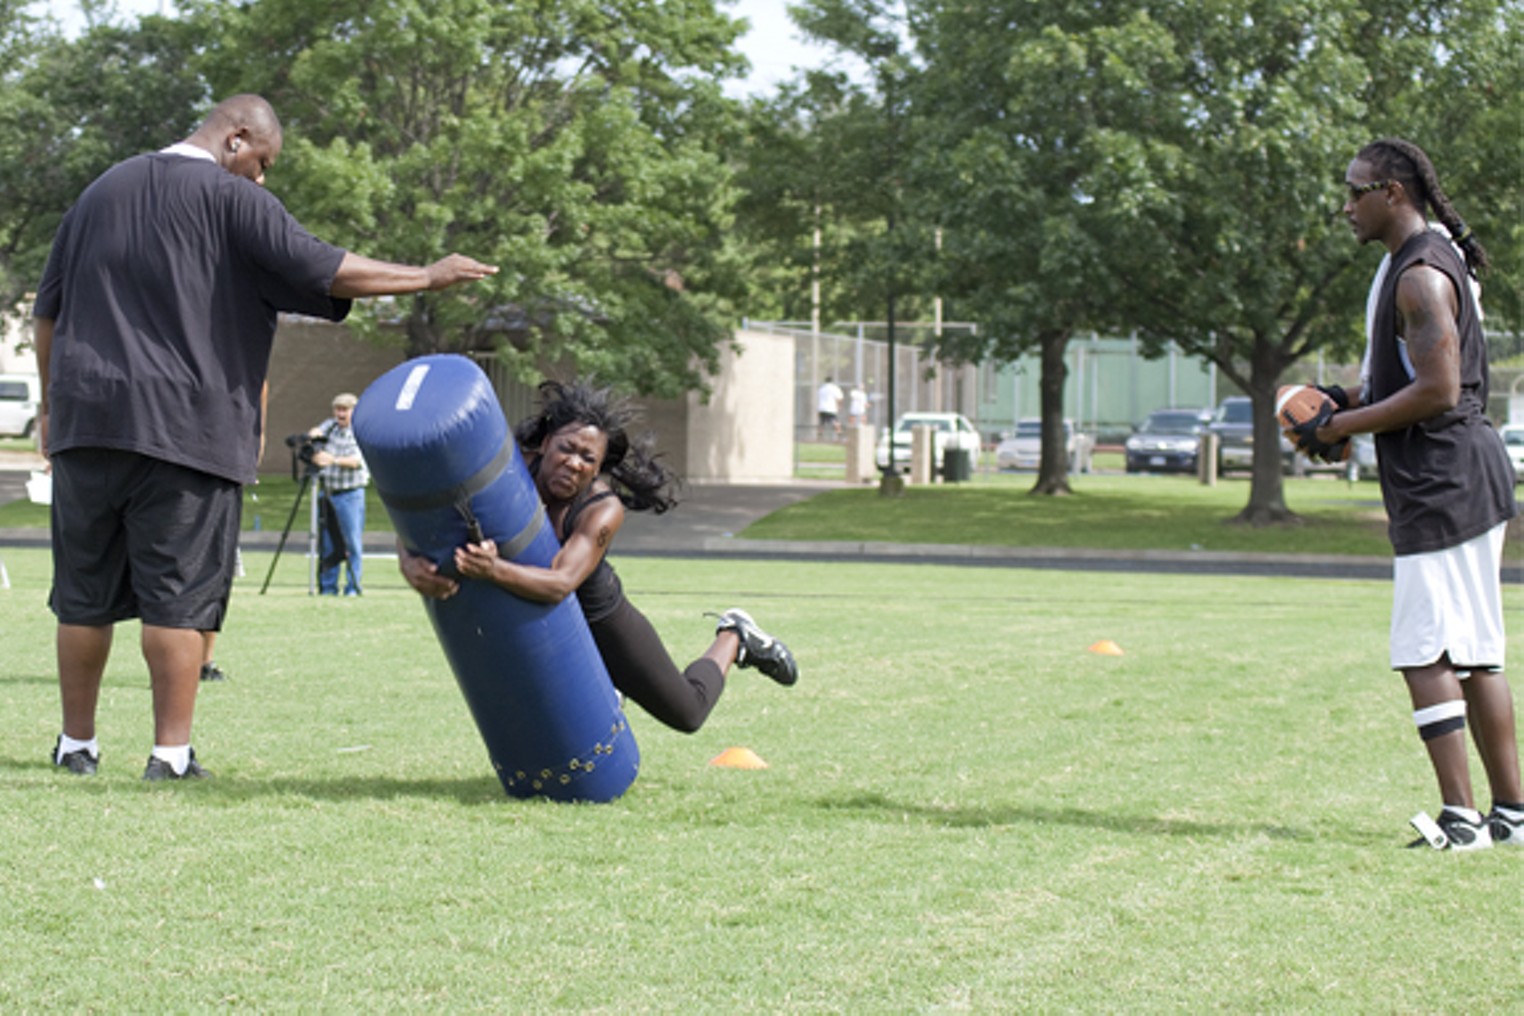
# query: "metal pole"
{"points": [[1095, 387], [938, 402]]}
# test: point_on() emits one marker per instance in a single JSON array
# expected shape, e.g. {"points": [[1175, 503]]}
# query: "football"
{"points": [[1296, 404]]}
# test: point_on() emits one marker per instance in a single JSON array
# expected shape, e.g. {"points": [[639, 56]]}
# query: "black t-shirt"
{"points": [[1447, 479], [164, 283]]}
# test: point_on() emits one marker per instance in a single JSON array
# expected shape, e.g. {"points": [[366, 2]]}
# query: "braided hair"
{"points": [[1406, 163], [634, 473]]}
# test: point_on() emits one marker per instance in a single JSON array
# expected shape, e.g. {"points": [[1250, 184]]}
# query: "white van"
{"points": [[19, 396]]}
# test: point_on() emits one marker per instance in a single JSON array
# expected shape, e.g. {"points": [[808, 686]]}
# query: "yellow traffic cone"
{"points": [[1106, 647]]}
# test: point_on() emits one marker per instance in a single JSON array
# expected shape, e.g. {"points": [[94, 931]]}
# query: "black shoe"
{"points": [[211, 672], [79, 762], [158, 769], [758, 648]]}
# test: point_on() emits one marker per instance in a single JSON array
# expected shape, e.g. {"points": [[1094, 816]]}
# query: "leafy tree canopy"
{"points": [[71, 108], [580, 145], [1172, 167]]}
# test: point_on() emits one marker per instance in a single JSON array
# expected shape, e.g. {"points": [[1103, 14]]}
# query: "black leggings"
{"points": [[642, 669]]}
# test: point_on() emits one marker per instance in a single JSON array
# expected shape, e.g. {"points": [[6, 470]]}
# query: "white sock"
{"points": [[177, 755], [67, 744], [1469, 814]]}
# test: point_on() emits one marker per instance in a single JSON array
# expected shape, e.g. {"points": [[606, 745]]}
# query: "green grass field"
{"points": [[1113, 512], [965, 811]]}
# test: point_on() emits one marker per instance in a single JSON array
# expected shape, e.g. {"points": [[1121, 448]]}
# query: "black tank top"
{"points": [[1447, 479], [601, 592]]}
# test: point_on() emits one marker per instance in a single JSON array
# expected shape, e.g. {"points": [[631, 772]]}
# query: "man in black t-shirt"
{"points": [[1446, 481], [153, 326]]}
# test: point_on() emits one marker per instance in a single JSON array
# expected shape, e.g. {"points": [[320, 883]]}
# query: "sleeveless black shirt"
{"points": [[1447, 479], [601, 591]]}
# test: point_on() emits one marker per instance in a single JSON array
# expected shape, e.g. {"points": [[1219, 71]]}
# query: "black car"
{"points": [[1169, 441], [1233, 423]]}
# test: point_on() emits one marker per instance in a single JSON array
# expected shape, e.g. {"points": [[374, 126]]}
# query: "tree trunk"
{"points": [[421, 339], [1267, 492], [1053, 470]]}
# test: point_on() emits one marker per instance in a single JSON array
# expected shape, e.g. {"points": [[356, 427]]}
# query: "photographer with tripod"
{"points": [[342, 473]]}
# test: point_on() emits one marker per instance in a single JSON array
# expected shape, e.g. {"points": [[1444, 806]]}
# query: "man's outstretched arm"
{"points": [[362, 276]]}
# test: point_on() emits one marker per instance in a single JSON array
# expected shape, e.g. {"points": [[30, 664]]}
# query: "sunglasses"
{"points": [[1359, 190]]}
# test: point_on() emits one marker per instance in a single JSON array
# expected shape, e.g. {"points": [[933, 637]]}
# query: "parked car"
{"points": [[1168, 441], [1513, 440], [1023, 449], [953, 430], [1233, 423], [19, 396]]}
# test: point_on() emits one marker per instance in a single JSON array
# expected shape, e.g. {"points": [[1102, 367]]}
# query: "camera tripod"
{"points": [[302, 468], [312, 535]]}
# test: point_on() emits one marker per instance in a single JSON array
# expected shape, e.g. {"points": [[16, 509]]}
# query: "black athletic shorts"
{"points": [[139, 537]]}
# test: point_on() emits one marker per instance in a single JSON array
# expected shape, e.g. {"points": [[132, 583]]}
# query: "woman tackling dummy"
{"points": [[588, 471]]}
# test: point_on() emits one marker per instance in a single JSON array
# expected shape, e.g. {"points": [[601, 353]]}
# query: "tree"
{"points": [[579, 144], [845, 173], [881, 137], [816, 198], [71, 108], [1008, 157], [1257, 277], [1172, 167], [1468, 113]]}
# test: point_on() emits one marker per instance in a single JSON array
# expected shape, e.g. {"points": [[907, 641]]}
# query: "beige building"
{"points": [[744, 433]]}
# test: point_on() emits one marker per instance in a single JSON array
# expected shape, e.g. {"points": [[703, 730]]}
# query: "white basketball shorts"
{"points": [[1450, 602]]}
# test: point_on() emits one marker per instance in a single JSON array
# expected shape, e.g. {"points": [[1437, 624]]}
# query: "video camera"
{"points": [[303, 446]]}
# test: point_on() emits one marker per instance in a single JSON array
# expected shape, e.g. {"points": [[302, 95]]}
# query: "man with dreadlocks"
{"points": [[1446, 481], [588, 471]]}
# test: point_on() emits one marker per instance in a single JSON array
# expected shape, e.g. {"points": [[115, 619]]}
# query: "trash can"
{"points": [[957, 465]]}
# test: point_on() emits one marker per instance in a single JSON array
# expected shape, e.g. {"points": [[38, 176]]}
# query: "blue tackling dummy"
{"points": [[446, 466]]}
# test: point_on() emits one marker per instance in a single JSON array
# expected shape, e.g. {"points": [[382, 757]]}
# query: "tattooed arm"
{"points": [[575, 561], [1426, 318]]}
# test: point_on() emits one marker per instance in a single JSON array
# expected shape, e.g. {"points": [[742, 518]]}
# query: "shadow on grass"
{"points": [[469, 791], [994, 816], [239, 789], [49, 679]]}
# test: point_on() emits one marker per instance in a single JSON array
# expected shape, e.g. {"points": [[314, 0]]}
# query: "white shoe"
{"points": [[1505, 832]]}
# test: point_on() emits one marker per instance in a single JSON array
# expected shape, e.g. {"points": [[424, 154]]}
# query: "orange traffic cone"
{"points": [[738, 758], [1106, 647]]}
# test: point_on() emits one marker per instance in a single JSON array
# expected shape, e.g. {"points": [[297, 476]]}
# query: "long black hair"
{"points": [[1406, 163], [631, 468]]}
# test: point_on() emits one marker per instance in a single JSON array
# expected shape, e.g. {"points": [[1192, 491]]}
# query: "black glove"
{"points": [[1337, 393], [1307, 436]]}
